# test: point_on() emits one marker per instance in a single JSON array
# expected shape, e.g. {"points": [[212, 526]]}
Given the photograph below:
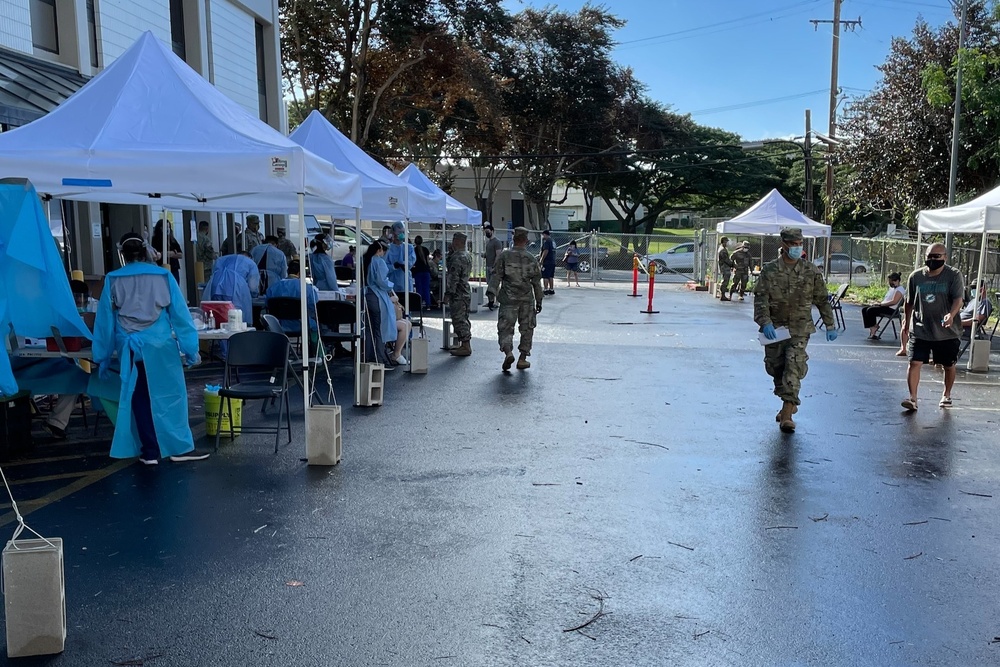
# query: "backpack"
{"points": [[264, 280]]}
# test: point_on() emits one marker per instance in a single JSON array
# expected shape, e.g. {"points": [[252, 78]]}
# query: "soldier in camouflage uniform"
{"points": [[741, 270], [204, 251], [459, 294], [786, 291], [725, 268], [517, 279]]}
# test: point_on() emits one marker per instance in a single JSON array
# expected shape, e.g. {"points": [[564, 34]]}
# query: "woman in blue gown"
{"points": [[324, 276], [378, 291]]}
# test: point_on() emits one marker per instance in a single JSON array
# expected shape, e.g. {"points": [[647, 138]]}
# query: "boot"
{"points": [[786, 424], [523, 363], [777, 417], [724, 298], [508, 360], [463, 350]]}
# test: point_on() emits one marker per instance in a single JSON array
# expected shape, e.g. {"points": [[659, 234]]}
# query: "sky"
{"points": [[754, 66]]}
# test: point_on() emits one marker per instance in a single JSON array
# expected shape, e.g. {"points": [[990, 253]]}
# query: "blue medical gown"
{"points": [[234, 278], [276, 263], [160, 351], [324, 276], [291, 287], [380, 285], [402, 253]]}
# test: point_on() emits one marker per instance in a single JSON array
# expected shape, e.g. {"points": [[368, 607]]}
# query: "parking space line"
{"points": [[49, 478], [69, 489], [51, 459]]}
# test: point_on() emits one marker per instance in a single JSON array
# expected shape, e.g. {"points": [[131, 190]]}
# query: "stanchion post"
{"points": [[652, 280], [635, 275]]}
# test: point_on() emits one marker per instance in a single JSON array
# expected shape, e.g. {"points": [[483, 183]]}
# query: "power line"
{"points": [[747, 105]]}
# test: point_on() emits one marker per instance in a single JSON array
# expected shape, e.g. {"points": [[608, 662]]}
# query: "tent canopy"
{"points": [[150, 124], [457, 212], [768, 216], [384, 195], [34, 292], [979, 216]]}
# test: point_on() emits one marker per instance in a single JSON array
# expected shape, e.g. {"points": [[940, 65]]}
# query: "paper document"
{"points": [[782, 332]]}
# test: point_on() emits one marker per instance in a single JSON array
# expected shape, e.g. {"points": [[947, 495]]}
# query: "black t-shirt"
{"points": [[422, 263]]}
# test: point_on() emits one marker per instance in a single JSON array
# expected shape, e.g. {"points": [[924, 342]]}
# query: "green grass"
{"points": [[862, 295]]}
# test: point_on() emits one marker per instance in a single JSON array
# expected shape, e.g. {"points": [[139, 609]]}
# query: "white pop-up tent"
{"points": [[768, 216], [149, 130], [457, 212], [980, 216], [385, 196], [150, 125]]}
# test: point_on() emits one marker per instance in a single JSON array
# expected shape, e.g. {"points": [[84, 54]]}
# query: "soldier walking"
{"points": [[517, 285], [459, 294], [725, 268], [494, 247], [741, 270], [786, 291]]}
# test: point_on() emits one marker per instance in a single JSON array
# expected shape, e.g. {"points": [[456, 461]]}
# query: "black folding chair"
{"points": [[257, 351], [345, 274], [287, 308], [884, 321], [980, 332], [838, 309], [332, 315], [416, 307]]}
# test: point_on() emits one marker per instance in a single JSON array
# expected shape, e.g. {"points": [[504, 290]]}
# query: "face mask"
{"points": [[934, 264], [401, 237], [795, 252]]}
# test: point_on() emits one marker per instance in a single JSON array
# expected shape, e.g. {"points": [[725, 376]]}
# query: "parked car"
{"points": [[585, 264], [679, 259], [843, 263], [343, 234]]}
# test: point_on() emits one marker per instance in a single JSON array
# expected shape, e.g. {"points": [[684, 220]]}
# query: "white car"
{"points": [[843, 263], [678, 259]]}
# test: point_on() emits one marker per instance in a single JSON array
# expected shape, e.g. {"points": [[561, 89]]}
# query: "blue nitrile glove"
{"points": [[831, 335], [769, 332]]}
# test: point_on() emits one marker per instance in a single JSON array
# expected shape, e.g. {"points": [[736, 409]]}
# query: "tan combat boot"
{"points": [[463, 350], [508, 360], [785, 422], [523, 363]]}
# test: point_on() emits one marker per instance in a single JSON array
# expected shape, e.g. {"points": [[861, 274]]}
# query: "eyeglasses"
{"points": [[935, 255]]}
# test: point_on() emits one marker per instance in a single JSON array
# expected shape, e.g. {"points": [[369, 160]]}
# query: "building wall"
{"points": [[15, 25], [234, 54], [122, 21]]}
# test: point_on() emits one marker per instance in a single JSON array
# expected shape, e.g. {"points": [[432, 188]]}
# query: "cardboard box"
{"points": [[34, 589]]}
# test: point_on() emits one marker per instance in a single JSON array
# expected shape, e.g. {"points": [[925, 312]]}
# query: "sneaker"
{"points": [[54, 431], [945, 402], [193, 455], [148, 462], [401, 360], [910, 404]]}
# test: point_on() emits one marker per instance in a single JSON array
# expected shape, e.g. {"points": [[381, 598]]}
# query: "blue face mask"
{"points": [[795, 252]]}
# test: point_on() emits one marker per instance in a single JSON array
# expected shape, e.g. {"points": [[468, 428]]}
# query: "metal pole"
{"points": [[593, 258], [445, 343], [807, 201], [304, 313], [406, 279], [975, 301], [833, 107], [358, 303], [956, 121]]}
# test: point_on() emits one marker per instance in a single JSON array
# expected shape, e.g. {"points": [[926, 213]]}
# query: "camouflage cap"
{"points": [[791, 234], [520, 234], [460, 236]]}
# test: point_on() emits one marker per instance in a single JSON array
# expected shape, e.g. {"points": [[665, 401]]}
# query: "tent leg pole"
{"points": [[304, 314], [358, 303]]}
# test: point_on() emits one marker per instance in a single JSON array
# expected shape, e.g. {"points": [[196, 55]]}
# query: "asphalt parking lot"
{"points": [[632, 484]]}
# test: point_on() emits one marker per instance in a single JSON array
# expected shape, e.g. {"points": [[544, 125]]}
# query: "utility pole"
{"points": [[957, 121], [807, 199], [834, 92]]}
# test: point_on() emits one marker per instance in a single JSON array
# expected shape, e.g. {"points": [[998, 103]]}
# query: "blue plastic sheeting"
{"points": [[34, 290]]}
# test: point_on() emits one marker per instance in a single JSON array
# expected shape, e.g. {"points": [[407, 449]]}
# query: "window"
{"points": [[92, 32], [44, 26], [177, 39], [261, 73]]}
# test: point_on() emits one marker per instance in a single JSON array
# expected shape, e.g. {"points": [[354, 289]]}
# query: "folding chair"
{"points": [[287, 308], [416, 307], [257, 350], [271, 323], [838, 310], [884, 321], [345, 274], [331, 315], [980, 333]]}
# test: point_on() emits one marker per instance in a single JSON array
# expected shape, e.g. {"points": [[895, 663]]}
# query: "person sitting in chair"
{"points": [[291, 287], [887, 307], [982, 313]]}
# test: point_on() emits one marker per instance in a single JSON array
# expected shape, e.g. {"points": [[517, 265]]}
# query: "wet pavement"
{"points": [[632, 482]]}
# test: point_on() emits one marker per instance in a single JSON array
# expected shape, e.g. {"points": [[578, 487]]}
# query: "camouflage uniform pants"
{"points": [[786, 363], [459, 308], [724, 274], [522, 314], [740, 281]]}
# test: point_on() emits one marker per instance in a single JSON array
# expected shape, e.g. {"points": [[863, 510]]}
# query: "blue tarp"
{"points": [[34, 291]]}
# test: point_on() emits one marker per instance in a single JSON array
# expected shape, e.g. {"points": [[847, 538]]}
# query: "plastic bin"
{"points": [[213, 402]]}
